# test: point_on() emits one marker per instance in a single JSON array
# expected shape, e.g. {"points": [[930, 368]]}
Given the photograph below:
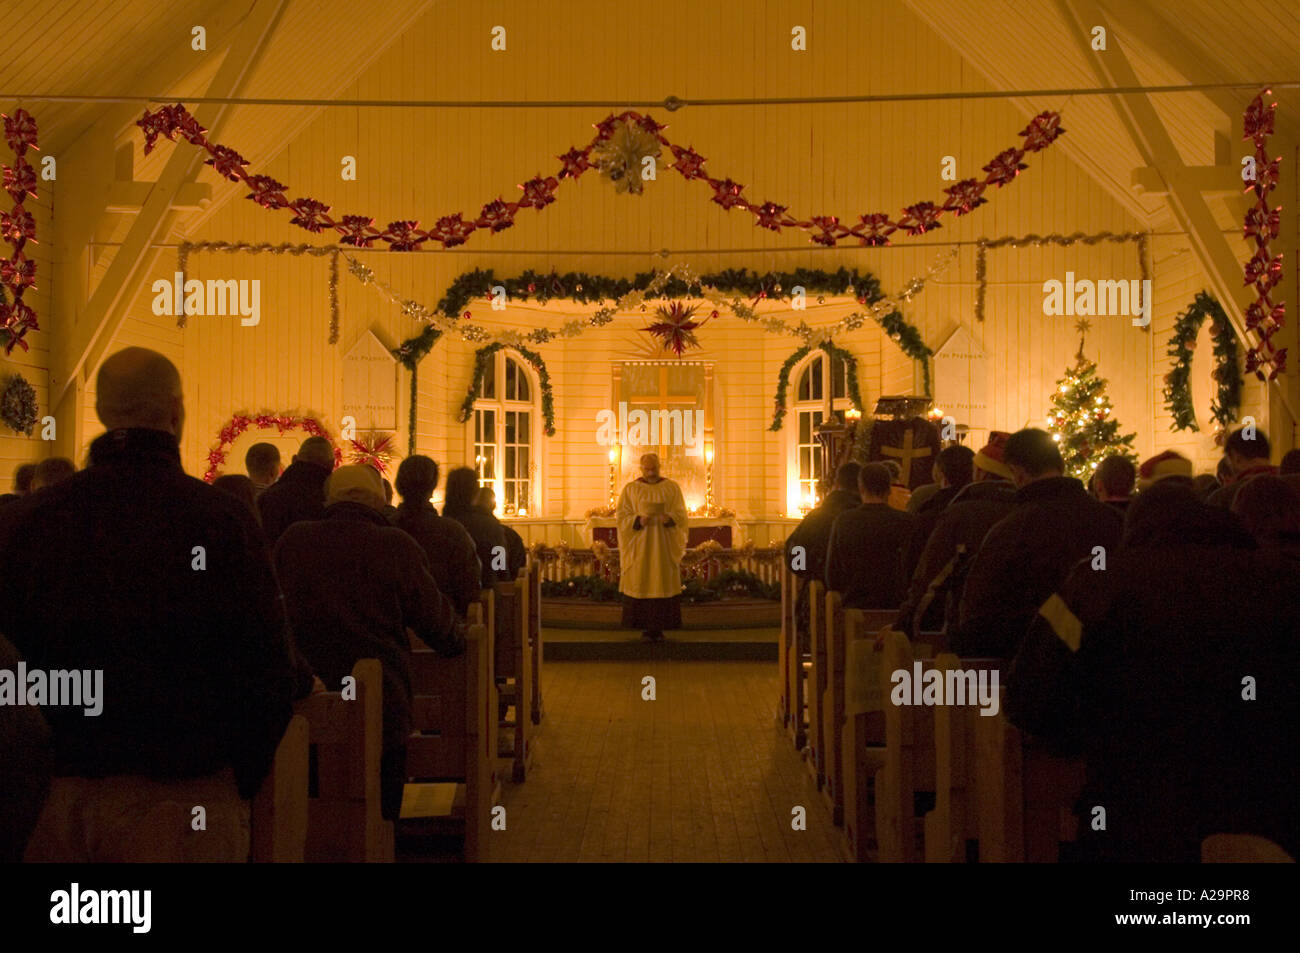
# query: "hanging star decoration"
{"points": [[1083, 326], [621, 156], [676, 328]]}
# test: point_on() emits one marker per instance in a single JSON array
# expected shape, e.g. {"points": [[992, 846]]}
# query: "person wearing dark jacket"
{"points": [[453, 560], [1184, 700], [1026, 556], [952, 544], [162, 586], [862, 560], [485, 529], [814, 531], [516, 553], [1247, 452], [26, 760], [299, 494], [955, 467], [353, 584]]}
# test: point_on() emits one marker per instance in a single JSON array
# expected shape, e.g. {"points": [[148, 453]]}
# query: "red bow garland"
{"points": [[451, 230], [17, 228], [263, 421], [1262, 269]]}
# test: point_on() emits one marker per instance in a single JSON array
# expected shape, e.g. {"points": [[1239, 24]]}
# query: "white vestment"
{"points": [[650, 558]]}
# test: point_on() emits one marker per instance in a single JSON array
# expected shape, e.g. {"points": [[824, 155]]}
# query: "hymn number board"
{"points": [[370, 384]]}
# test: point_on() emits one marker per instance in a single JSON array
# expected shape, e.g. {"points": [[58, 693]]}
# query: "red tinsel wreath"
{"points": [[263, 421]]}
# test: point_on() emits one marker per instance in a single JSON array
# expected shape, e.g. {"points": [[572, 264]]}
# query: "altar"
{"points": [[722, 529]]}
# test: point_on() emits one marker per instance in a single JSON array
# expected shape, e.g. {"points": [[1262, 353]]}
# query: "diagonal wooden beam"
{"points": [[103, 314], [1000, 76], [1148, 133], [220, 18], [1197, 63]]}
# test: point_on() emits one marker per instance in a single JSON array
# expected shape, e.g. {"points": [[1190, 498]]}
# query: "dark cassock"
{"points": [[652, 528]]}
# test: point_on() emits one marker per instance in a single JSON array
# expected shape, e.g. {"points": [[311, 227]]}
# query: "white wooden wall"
{"points": [[825, 159]]}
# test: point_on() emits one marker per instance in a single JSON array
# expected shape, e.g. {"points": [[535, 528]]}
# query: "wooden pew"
{"points": [[783, 704], [538, 709], [815, 682], [513, 671], [863, 735], [793, 668], [278, 818], [452, 744], [951, 824], [1024, 796], [833, 711], [344, 820], [906, 762]]}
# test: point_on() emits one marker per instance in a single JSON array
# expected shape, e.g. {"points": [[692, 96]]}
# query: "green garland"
{"points": [[595, 289], [1178, 392], [783, 379], [733, 583], [18, 405], [483, 355], [409, 354]]}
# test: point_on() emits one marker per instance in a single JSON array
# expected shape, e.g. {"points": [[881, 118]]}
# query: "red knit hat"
{"points": [[1163, 465], [990, 458]]}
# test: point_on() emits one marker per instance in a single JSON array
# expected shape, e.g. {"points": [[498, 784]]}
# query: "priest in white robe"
{"points": [[651, 541]]}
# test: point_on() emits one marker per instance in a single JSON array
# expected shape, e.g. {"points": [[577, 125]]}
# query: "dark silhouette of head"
{"points": [[51, 471], [1031, 454], [846, 477], [417, 478], [462, 487], [262, 463], [873, 483]]}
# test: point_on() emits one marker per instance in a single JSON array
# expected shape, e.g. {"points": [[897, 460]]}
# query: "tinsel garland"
{"points": [[263, 421], [17, 228], [409, 354], [1178, 392], [783, 379], [1064, 241], [18, 405], [871, 230], [184, 250], [485, 354]]}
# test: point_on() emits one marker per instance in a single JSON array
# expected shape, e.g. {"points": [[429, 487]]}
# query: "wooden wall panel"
{"points": [[831, 159]]}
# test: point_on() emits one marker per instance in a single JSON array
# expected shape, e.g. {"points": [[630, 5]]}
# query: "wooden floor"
{"points": [[702, 773]]}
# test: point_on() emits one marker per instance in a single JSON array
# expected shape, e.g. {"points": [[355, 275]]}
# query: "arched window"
{"points": [[505, 421], [821, 388]]}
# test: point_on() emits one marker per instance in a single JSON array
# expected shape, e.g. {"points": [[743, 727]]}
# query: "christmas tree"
{"points": [[1080, 419]]}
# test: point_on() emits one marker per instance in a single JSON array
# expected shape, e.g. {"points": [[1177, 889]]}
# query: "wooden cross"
{"points": [[662, 399], [906, 455]]}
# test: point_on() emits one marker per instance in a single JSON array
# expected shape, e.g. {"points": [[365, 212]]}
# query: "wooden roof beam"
{"points": [[76, 352], [1157, 147]]}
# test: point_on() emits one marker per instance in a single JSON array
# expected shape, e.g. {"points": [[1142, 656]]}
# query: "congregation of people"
{"points": [[209, 610], [1150, 620]]}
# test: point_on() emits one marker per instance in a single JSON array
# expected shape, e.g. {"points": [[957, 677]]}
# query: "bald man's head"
{"points": [[650, 466], [137, 387]]}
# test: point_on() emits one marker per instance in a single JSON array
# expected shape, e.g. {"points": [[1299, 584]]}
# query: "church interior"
{"points": [[817, 395]]}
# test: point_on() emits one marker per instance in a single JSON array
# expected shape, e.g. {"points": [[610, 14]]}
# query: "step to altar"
{"points": [[563, 613], [730, 644]]}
